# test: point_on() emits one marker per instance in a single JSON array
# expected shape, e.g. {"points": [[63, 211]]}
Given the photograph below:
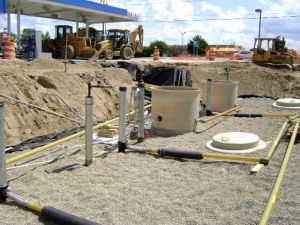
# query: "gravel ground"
{"points": [[134, 188]]}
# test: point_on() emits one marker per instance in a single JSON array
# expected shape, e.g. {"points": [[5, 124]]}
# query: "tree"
{"points": [[202, 45], [241, 47], [161, 45]]}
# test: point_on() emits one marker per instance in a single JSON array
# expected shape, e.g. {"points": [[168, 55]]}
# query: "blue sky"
{"points": [[160, 19]]}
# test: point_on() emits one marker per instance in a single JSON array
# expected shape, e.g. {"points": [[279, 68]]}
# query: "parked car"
{"points": [[244, 54]]}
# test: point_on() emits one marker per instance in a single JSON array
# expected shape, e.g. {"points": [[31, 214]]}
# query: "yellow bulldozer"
{"points": [[67, 44], [272, 50]]}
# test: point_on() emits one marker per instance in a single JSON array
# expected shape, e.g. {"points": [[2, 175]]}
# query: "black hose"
{"points": [[64, 218], [257, 96], [179, 154], [247, 115]]}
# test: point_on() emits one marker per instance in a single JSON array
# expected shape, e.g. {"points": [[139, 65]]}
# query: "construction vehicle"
{"points": [[121, 43], [94, 35], [275, 52], [67, 44]]}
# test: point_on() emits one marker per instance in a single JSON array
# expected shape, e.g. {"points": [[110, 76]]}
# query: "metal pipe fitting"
{"points": [[89, 130]]}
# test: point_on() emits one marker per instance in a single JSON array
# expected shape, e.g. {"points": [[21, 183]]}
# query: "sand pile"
{"points": [[43, 83], [253, 79]]}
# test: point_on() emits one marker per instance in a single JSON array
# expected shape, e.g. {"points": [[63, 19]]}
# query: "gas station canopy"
{"points": [[70, 10]]}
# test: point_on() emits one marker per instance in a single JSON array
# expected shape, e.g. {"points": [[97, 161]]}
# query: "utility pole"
{"points": [[259, 26], [182, 33]]}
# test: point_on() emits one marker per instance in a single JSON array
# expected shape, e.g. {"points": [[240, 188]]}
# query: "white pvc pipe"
{"points": [[141, 98], [122, 121], [88, 130], [208, 106], [135, 105], [3, 176]]}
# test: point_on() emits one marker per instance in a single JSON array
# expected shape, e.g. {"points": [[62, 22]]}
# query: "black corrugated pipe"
{"points": [[170, 152], [49, 212], [61, 217]]}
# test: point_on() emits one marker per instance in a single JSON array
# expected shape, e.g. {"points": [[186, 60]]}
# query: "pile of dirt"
{"points": [[253, 79], [45, 83]]}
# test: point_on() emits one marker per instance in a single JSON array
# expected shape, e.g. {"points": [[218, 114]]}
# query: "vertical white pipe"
{"points": [[88, 130], [18, 27], [141, 97], [122, 120], [208, 105], [3, 176], [135, 92]]}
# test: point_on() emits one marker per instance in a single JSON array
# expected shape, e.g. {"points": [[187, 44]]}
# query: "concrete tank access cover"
{"points": [[236, 142], [287, 103]]}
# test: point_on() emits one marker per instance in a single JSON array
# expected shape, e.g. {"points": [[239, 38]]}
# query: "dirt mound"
{"points": [[253, 79], [45, 84]]}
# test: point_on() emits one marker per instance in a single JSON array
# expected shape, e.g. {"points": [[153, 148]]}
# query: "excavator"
{"points": [[67, 44], [275, 52]]}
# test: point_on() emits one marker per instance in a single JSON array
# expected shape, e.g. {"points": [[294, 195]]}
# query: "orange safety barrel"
{"points": [[156, 54], [9, 50], [210, 55]]}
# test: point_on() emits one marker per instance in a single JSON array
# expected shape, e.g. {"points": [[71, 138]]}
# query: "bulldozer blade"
{"points": [[89, 54]]}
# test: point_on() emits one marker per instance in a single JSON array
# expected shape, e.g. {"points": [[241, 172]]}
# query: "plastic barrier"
{"points": [[9, 50], [156, 54], [210, 55]]}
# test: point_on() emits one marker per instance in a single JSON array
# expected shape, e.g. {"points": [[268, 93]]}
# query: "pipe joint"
{"points": [[141, 85], [122, 88], [3, 191], [122, 146], [264, 160]]}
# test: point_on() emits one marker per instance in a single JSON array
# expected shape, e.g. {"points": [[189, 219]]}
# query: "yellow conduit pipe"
{"points": [[275, 144], [219, 115], [278, 183], [233, 157], [63, 140], [277, 139]]}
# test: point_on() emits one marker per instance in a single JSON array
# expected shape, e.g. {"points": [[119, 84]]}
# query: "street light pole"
{"points": [[182, 33], [259, 26]]}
